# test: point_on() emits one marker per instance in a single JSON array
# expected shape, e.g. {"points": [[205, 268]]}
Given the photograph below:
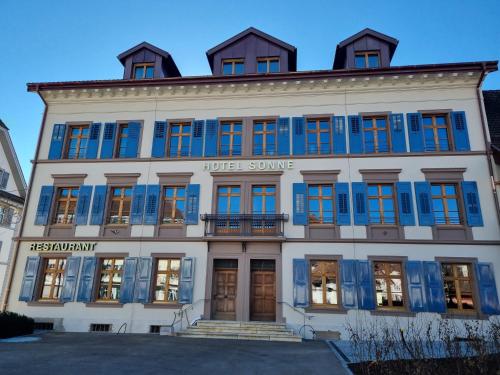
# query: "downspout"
{"points": [[486, 142], [12, 267]]}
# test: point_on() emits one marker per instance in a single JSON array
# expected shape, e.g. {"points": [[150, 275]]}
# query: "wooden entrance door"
{"points": [[263, 291], [224, 299]]}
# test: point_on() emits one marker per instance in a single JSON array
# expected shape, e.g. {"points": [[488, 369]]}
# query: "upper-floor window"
{"points": [[318, 136], [167, 280], [110, 280], [228, 199], [65, 207], [263, 199], [180, 137], [264, 137], [320, 203], [122, 141], [436, 132], [119, 212], [268, 65], [230, 138], [52, 279], [445, 203], [6, 215], [381, 207], [324, 283], [367, 59], [376, 134], [389, 284], [145, 70], [77, 141], [233, 66], [458, 286], [4, 178], [174, 200]]}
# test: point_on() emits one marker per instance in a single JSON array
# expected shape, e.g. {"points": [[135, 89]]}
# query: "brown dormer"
{"points": [[146, 61], [250, 52], [364, 50]]}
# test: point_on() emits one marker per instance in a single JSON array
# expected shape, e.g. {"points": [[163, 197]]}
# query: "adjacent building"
{"points": [[261, 193]]}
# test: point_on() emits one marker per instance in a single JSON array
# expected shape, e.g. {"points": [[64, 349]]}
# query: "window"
{"points": [[436, 132], [263, 199], [445, 203], [230, 138], [376, 134], [6, 215], [458, 286], [119, 212], [367, 59], [324, 283], [142, 71], [65, 207], [53, 278], [174, 199], [268, 65], [318, 136], [77, 141], [228, 199], [167, 280], [121, 150], [264, 137], [320, 203], [381, 204], [233, 66], [110, 279], [180, 137], [389, 284]]}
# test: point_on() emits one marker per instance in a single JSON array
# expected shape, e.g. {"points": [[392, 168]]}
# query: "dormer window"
{"points": [[142, 71], [233, 67], [367, 59], [268, 65]]}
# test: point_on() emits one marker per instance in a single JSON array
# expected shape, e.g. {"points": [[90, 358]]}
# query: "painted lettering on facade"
{"points": [[63, 246], [253, 165]]}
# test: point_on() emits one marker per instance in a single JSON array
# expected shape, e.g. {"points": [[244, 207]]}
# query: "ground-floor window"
{"points": [[324, 291], [167, 280], [53, 278], [458, 286], [389, 285], [110, 279]]}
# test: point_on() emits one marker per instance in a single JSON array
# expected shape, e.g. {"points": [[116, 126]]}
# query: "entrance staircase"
{"points": [[223, 329]]}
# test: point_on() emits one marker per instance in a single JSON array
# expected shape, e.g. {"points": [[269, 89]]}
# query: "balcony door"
{"points": [[225, 289], [263, 203]]}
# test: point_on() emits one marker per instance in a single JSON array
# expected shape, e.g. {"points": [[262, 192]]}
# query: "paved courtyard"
{"points": [[87, 353]]}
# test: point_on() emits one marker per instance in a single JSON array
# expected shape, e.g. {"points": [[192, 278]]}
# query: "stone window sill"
{"points": [[46, 303], [104, 304], [162, 306], [388, 312], [325, 310]]}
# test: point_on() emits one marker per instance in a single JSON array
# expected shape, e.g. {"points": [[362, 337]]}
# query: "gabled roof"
{"points": [[15, 167], [169, 61], [251, 30]]}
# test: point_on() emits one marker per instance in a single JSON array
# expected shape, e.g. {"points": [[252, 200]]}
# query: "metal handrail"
{"points": [[244, 224], [124, 330], [305, 316]]}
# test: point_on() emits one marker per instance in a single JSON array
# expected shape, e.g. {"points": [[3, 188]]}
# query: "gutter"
{"points": [[15, 254], [487, 144]]}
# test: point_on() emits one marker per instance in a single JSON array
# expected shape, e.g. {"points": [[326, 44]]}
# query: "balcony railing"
{"points": [[244, 224]]}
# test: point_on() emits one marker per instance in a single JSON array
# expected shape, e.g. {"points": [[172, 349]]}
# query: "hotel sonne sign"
{"points": [[253, 165]]}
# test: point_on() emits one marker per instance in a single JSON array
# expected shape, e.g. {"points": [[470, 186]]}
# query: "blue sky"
{"points": [[58, 40]]}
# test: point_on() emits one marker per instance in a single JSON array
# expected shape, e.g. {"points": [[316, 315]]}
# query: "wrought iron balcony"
{"points": [[244, 224]]}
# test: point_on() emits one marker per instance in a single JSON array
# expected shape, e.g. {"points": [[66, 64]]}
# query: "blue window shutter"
{"points": [[143, 280], [86, 285], [355, 134], [416, 286], [192, 204], [44, 205], [186, 283], [57, 142], [405, 203], [211, 135], [424, 204], [339, 136], [197, 138], [283, 136], [128, 280], [349, 283], [366, 291], [398, 136], [159, 139], [152, 202], [134, 135], [415, 132], [93, 142], [70, 278], [460, 132], [298, 135], [342, 203], [29, 279], [360, 203], [471, 203], [434, 287], [108, 140], [138, 199], [487, 289], [83, 204], [300, 283], [300, 204], [98, 204]]}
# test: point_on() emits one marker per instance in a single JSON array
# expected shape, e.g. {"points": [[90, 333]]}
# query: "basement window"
{"points": [[154, 329], [44, 326], [96, 327]]}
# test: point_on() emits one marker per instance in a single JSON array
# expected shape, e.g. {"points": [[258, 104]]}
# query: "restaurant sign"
{"points": [[63, 246]]}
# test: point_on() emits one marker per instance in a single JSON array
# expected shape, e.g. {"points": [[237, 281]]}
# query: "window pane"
{"points": [[373, 61], [227, 68], [150, 71], [274, 66], [239, 68], [139, 72], [262, 67], [359, 61]]}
